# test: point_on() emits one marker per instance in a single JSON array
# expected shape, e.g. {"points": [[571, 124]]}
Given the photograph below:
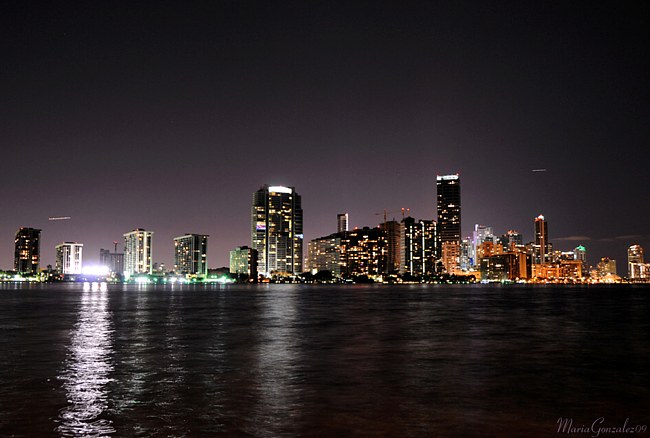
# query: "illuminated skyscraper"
{"points": [[606, 266], [363, 252], [27, 250], [417, 247], [341, 222], [451, 257], [448, 194], [392, 248], [276, 230], [69, 258], [634, 257], [580, 253], [480, 234], [542, 245], [137, 252], [191, 254]]}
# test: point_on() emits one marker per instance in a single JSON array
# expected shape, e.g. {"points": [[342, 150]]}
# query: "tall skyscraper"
{"points": [[480, 234], [27, 250], [542, 245], [511, 239], [191, 254], [417, 247], [634, 257], [580, 253], [69, 258], [393, 250], [341, 222], [276, 230], [137, 252], [448, 194]]}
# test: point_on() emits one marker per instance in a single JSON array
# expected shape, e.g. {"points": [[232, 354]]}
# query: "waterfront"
{"points": [[288, 360]]}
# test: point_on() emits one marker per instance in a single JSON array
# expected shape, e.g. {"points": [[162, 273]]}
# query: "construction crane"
{"points": [[385, 213]]}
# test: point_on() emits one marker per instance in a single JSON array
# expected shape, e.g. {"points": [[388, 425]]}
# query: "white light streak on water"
{"points": [[87, 368]]}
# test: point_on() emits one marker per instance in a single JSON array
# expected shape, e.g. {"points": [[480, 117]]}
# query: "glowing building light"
{"points": [[280, 189]]}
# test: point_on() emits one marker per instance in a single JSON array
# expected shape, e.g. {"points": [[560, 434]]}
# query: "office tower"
{"points": [[606, 266], [276, 230], [448, 197], [341, 222], [114, 261], [466, 254], [511, 239], [243, 261], [137, 252], [391, 230], [634, 256], [480, 234], [363, 252], [324, 254], [542, 245], [417, 247], [27, 250], [191, 254], [69, 258], [580, 253]]}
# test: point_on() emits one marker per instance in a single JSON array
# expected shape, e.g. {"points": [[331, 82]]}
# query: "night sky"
{"points": [[169, 117]]}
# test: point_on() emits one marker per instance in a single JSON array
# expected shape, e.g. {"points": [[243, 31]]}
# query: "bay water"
{"points": [[321, 360]]}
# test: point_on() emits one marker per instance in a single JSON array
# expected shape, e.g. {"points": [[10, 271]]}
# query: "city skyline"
{"points": [[167, 118], [280, 190]]}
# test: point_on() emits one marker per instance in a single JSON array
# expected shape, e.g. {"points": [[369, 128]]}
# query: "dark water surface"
{"points": [[285, 360]]}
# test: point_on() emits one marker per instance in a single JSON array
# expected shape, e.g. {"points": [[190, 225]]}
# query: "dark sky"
{"points": [[169, 117]]}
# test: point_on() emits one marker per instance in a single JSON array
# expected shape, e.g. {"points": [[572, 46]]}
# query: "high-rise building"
{"points": [[243, 261], [191, 254], [501, 267], [448, 194], [606, 266], [393, 249], [341, 222], [417, 247], [634, 256], [324, 254], [466, 254], [580, 253], [69, 258], [276, 230], [480, 234], [363, 252], [511, 239], [451, 257], [27, 251], [542, 245], [137, 252]]}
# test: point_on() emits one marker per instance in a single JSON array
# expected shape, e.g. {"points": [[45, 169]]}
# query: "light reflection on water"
{"points": [[87, 368], [276, 365], [292, 360]]}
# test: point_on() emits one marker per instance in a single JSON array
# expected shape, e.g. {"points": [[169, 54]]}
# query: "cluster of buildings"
{"points": [[394, 251], [190, 257]]}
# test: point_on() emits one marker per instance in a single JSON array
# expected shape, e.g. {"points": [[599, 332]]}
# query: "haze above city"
{"points": [[168, 118]]}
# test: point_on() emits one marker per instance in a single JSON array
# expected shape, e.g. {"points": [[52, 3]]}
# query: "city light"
{"points": [[97, 270]]}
